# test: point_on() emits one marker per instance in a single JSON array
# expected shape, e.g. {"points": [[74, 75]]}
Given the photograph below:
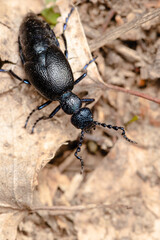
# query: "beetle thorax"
{"points": [[70, 102]]}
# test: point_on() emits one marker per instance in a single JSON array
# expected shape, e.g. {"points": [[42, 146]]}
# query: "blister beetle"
{"points": [[48, 70]]}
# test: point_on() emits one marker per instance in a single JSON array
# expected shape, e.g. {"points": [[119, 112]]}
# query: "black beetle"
{"points": [[49, 71]]}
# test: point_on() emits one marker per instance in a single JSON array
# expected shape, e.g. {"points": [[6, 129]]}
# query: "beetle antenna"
{"points": [[79, 149], [116, 128], [39, 119], [25, 126], [35, 109]]}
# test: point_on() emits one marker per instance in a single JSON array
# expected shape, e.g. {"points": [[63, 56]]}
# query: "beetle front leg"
{"points": [[78, 150], [87, 100]]}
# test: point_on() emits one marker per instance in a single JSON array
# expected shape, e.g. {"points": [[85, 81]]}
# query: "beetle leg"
{"points": [[92, 60], [84, 74], [79, 149], [20, 52], [53, 36], [65, 44], [87, 100], [37, 108], [80, 78], [45, 118], [63, 34], [15, 75]]}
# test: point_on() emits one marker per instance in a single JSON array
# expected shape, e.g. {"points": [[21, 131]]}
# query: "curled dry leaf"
{"points": [[23, 155]]}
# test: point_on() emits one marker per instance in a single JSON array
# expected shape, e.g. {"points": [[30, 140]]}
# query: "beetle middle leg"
{"points": [[45, 118], [15, 76], [84, 74]]}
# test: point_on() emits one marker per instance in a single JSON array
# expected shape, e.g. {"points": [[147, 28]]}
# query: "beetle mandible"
{"points": [[48, 70]]}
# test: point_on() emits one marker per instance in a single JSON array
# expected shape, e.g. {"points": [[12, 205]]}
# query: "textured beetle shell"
{"points": [[45, 64]]}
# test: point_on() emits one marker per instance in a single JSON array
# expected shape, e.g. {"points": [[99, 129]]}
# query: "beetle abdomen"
{"points": [[45, 65], [35, 36], [50, 73]]}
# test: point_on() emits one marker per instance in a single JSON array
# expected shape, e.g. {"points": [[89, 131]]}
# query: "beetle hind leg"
{"points": [[11, 72], [20, 51], [63, 34]]}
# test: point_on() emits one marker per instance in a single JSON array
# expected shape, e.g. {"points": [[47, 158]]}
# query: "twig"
{"points": [[63, 210], [132, 92], [117, 32], [110, 14]]}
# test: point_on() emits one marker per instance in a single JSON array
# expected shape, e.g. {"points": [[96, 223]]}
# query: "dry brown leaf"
{"points": [[49, 181], [128, 180], [24, 155]]}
